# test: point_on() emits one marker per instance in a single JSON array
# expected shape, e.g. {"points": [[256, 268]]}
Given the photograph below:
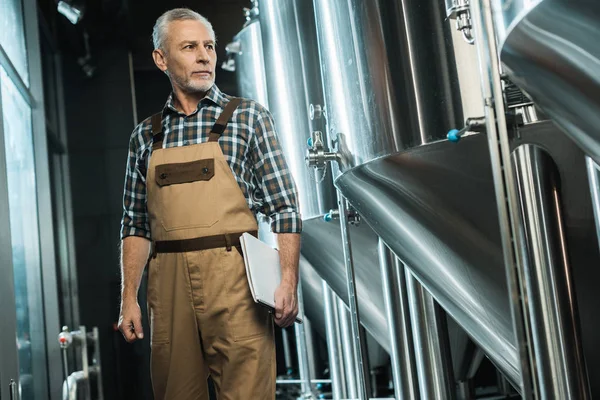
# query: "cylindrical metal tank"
{"points": [[293, 82], [391, 85], [389, 73], [550, 50], [247, 51]]}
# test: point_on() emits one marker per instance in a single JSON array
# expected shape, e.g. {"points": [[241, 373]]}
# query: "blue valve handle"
{"points": [[454, 135], [328, 217], [310, 142]]}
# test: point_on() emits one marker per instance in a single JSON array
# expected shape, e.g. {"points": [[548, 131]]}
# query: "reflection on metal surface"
{"points": [[334, 350], [287, 71], [580, 233], [434, 206], [594, 179], [404, 373], [551, 51], [553, 313], [348, 351], [301, 348], [432, 345], [385, 89], [504, 188], [249, 64], [321, 246], [358, 337]]}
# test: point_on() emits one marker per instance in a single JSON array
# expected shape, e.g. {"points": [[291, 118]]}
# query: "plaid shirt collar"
{"points": [[214, 95]]}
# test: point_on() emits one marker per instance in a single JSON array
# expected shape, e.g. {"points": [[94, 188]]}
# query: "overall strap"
{"points": [[219, 127], [157, 131]]}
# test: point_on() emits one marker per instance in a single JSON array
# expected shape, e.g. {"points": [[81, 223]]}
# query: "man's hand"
{"points": [[286, 304], [130, 320]]}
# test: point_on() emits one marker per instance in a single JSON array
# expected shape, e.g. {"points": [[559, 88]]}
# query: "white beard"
{"points": [[191, 86]]}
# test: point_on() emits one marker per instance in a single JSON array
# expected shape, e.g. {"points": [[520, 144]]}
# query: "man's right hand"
{"points": [[130, 320]]}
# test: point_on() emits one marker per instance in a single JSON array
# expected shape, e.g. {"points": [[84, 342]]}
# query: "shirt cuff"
{"points": [[133, 231], [289, 222]]}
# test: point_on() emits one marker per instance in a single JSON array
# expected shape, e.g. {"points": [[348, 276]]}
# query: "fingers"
{"points": [[279, 307], [137, 326], [130, 324], [126, 328], [288, 315]]}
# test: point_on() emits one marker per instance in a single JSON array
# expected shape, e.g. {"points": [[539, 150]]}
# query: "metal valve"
{"points": [[65, 338], [251, 13], [472, 125], [316, 156], [352, 215], [315, 111], [459, 9]]}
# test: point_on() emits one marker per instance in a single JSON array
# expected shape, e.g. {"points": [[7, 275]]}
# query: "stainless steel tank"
{"points": [[550, 50], [293, 82], [390, 75], [247, 52], [392, 92]]}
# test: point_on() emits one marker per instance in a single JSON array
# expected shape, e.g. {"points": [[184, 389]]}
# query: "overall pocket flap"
{"points": [[200, 170]]}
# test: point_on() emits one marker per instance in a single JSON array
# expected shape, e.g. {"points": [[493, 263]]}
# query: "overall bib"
{"points": [[202, 316]]}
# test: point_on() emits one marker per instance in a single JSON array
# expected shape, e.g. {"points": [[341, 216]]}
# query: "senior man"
{"points": [[197, 174]]}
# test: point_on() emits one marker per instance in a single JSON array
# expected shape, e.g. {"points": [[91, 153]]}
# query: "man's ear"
{"points": [[159, 59]]}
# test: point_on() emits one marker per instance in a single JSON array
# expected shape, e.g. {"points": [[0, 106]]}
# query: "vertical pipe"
{"points": [[310, 349], [432, 345], [358, 338], [504, 387], [551, 301], [287, 352], [335, 356], [594, 179], [348, 350], [466, 390], [301, 346], [505, 187], [398, 317]]}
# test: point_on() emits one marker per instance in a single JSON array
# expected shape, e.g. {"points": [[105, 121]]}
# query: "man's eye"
{"points": [[189, 46], [210, 47]]}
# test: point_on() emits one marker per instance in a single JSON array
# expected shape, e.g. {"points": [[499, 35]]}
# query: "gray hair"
{"points": [[177, 14]]}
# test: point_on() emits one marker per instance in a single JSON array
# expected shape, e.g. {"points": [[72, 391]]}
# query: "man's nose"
{"points": [[202, 55]]}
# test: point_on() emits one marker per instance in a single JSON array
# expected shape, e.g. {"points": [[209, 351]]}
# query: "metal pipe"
{"points": [[466, 390], [594, 178], [505, 187], [310, 348], [348, 350], [432, 345], [287, 352], [331, 329], [358, 338], [552, 304], [303, 367], [393, 278], [70, 386]]}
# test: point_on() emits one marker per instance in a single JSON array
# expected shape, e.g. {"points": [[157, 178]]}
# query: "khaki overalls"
{"points": [[202, 315]]}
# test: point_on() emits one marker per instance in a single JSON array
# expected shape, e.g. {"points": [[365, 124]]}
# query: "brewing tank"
{"points": [[247, 52], [392, 91], [390, 75], [293, 83], [550, 50]]}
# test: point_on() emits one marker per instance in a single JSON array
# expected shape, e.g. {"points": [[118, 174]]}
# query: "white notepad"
{"points": [[262, 269]]}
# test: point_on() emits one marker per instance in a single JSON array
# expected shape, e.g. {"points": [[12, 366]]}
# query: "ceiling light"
{"points": [[71, 12]]}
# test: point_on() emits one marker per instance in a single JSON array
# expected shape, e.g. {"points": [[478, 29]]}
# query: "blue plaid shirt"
{"points": [[249, 144]]}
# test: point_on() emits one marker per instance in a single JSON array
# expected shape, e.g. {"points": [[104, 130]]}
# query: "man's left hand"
{"points": [[286, 304]]}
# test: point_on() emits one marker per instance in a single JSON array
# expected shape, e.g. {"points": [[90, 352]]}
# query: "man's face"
{"points": [[190, 56]]}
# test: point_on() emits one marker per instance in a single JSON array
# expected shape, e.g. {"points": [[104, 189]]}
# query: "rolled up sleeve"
{"points": [[135, 215], [280, 197]]}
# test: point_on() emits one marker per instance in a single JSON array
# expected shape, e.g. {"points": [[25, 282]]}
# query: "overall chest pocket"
{"points": [[187, 194]]}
